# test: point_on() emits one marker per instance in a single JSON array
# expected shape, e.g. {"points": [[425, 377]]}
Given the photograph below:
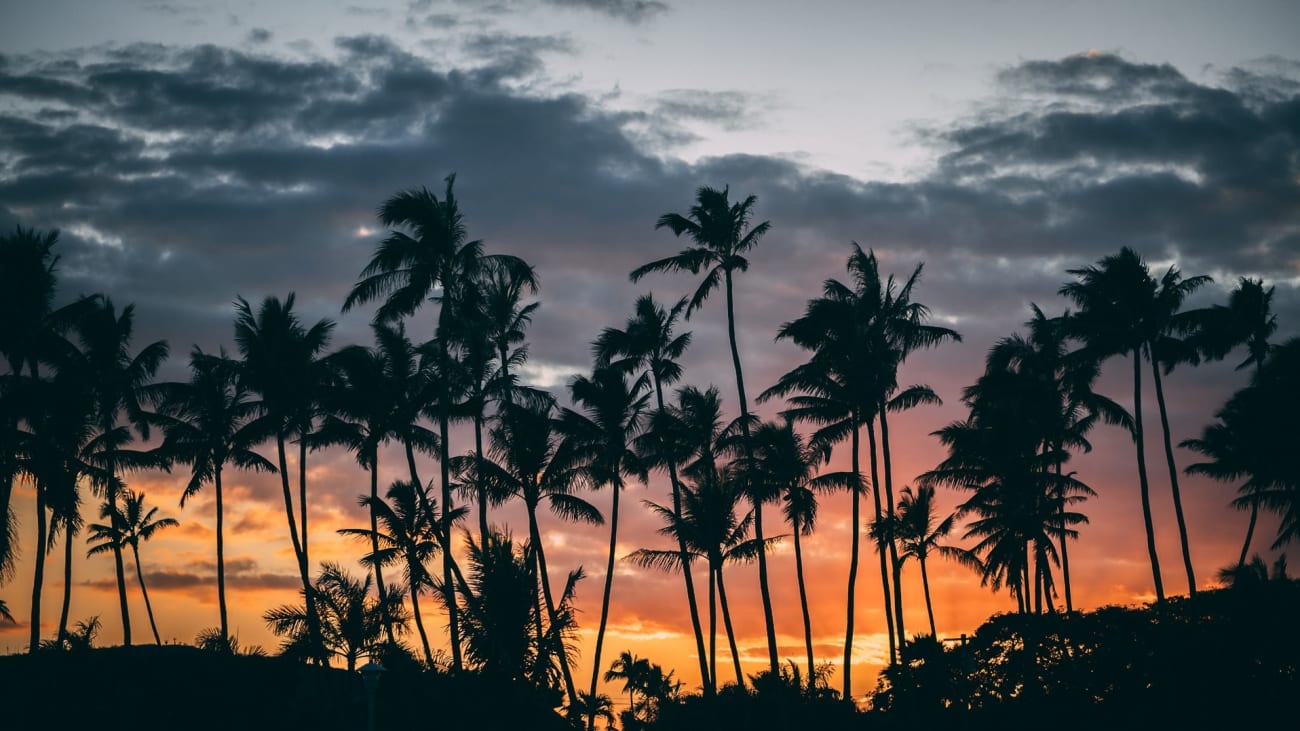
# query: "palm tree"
{"points": [[919, 536], [592, 707], [127, 525], [648, 341], [1247, 319], [1253, 440], [349, 622], [722, 236], [613, 414], [789, 465], [1115, 298], [282, 364], [119, 382], [711, 530], [406, 270], [409, 538], [633, 671], [5, 614], [210, 422]]}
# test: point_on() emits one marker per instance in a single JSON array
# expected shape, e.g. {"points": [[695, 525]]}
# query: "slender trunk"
{"points": [[897, 577], [731, 634], [1065, 553], [889, 512], [478, 474], [144, 591], [706, 678], [925, 585], [302, 496], [854, 529], [221, 559], [374, 542], [1143, 485], [713, 626], [1035, 573], [419, 622], [38, 579], [764, 591], [67, 580], [803, 601], [453, 612], [1250, 532], [110, 496], [535, 537], [410, 464], [1173, 476], [881, 549], [307, 590], [604, 602]]}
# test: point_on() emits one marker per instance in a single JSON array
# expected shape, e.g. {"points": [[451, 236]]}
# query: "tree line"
{"points": [[79, 406]]}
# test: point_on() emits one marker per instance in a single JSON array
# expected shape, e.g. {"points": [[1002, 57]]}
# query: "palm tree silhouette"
{"points": [[410, 538], [283, 365], [407, 269], [129, 524], [919, 536], [633, 671], [209, 422], [1247, 319], [5, 614], [1122, 309], [648, 341], [601, 436], [348, 621], [722, 236]]}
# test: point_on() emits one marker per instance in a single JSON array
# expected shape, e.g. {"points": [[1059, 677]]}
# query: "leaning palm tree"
{"points": [[613, 409], [648, 341], [128, 525], [209, 422], [722, 235], [919, 536], [283, 365]]}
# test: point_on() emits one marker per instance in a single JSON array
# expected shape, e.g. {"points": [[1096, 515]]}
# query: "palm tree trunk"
{"points": [[1065, 553], [410, 464], [67, 579], [803, 601], [302, 495], [221, 559], [535, 537], [453, 618], [706, 679], [881, 550], [374, 541], [1250, 532], [38, 578], [731, 634], [889, 512], [925, 584], [1143, 485], [604, 602], [853, 559], [144, 591], [419, 622], [478, 474], [1173, 477], [763, 589], [303, 575], [110, 496], [713, 626]]}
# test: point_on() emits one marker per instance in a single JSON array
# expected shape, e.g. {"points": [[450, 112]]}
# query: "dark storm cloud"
{"points": [[191, 175]]}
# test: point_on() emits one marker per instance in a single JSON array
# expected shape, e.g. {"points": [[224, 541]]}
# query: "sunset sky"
{"points": [[190, 153]]}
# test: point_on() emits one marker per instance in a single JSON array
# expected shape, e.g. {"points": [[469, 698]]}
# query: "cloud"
{"points": [[632, 11]]}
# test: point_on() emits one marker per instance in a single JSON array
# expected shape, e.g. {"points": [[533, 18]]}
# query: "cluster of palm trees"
{"points": [[75, 399]]}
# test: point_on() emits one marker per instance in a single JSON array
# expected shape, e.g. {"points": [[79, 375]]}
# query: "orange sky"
{"points": [[648, 615]]}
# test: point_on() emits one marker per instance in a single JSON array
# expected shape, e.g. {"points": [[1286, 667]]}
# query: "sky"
{"points": [[190, 153]]}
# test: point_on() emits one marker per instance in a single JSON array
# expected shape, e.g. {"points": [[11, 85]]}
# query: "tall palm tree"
{"points": [[919, 535], [601, 435], [648, 341], [282, 363], [722, 235], [1114, 299], [209, 422], [410, 266], [128, 524], [349, 622]]}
